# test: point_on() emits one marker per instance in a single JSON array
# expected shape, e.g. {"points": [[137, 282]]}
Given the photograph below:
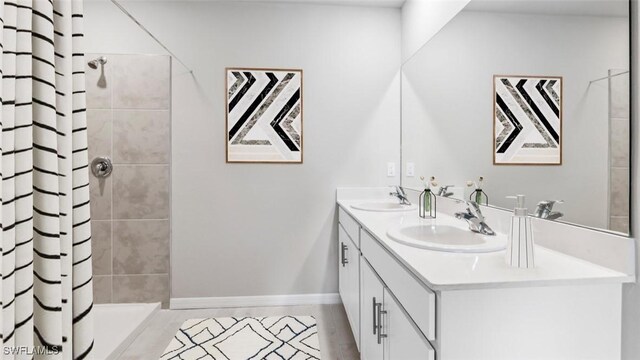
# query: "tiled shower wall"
{"points": [[128, 117], [619, 151]]}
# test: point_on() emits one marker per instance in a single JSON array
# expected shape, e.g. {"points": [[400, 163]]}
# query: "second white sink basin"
{"points": [[446, 238], [383, 206]]}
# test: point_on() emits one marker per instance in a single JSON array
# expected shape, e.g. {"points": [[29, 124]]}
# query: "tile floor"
{"points": [[336, 339]]}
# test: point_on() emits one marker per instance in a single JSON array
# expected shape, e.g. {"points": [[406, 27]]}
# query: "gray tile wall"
{"points": [[129, 120], [619, 151]]}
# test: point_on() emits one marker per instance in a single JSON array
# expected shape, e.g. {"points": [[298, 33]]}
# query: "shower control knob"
{"points": [[101, 167]]}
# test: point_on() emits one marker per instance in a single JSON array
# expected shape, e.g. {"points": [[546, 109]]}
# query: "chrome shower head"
{"points": [[94, 63]]}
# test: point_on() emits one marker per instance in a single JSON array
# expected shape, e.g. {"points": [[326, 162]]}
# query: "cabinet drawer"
{"points": [[417, 300], [350, 226]]}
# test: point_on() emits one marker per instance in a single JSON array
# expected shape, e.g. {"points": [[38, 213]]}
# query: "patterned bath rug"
{"points": [[246, 338]]}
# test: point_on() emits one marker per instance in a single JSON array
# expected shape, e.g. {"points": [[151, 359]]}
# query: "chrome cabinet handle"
{"points": [[345, 261], [375, 306], [380, 313]]}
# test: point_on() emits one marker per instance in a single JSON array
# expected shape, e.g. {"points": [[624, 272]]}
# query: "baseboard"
{"points": [[253, 301]]}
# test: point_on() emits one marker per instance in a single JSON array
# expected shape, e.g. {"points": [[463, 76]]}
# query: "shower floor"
{"points": [[117, 325]]}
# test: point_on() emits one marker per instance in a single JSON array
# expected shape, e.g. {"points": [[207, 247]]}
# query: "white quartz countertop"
{"points": [[454, 271]]}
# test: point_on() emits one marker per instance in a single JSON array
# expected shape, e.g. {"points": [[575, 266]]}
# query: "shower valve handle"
{"points": [[101, 167]]}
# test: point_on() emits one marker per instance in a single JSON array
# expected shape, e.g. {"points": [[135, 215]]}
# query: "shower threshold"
{"points": [[117, 325]]}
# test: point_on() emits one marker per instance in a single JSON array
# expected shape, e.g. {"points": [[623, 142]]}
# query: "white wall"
{"points": [[422, 19], [447, 105], [266, 229]]}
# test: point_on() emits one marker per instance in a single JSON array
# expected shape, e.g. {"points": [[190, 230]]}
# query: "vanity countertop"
{"points": [[455, 271]]}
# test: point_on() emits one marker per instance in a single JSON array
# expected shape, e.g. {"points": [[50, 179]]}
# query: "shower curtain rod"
{"points": [[609, 77], [116, 3]]}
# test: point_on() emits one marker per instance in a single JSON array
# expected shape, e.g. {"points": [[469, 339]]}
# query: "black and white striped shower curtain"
{"points": [[46, 290]]}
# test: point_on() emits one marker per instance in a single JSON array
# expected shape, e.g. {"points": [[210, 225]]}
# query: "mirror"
{"points": [[534, 96]]}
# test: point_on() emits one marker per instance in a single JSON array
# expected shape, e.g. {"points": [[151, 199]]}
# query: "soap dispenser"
{"points": [[520, 244]]}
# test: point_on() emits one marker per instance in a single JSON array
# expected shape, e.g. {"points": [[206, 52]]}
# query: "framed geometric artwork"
{"points": [[263, 115], [527, 120]]}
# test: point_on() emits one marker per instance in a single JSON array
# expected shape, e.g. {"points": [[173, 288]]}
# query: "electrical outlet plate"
{"points": [[391, 169], [411, 169]]}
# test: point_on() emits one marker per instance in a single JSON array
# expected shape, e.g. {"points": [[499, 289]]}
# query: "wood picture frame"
{"points": [[527, 120], [264, 115]]}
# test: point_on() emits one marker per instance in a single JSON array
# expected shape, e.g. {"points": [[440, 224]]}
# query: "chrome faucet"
{"points": [[444, 191], [474, 217], [401, 195], [544, 210]]}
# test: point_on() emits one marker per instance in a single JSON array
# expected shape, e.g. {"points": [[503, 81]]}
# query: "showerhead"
{"points": [[94, 63]]}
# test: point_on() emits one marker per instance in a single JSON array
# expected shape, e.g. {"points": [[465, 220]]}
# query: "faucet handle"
{"points": [[549, 203], [474, 209], [473, 206]]}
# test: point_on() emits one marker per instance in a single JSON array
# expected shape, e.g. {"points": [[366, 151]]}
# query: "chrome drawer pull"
{"points": [[375, 327], [380, 334], [344, 260]]}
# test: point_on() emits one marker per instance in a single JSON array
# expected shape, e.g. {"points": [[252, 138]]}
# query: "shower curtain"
{"points": [[46, 290]]}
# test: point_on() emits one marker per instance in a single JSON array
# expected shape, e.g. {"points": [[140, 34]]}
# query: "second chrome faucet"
{"points": [[401, 195], [476, 220]]}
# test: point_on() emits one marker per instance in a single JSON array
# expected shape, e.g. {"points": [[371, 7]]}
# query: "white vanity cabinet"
{"points": [[387, 331], [398, 313], [349, 271]]}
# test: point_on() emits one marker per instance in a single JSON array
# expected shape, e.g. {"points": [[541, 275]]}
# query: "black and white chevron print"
{"points": [[264, 115], [46, 290], [527, 118], [269, 338]]}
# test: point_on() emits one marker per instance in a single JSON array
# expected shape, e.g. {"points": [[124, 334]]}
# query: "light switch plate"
{"points": [[391, 169], [411, 169]]}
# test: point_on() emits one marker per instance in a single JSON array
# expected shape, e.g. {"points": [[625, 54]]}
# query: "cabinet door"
{"points": [[349, 281], [372, 293], [352, 280], [343, 240], [403, 340]]}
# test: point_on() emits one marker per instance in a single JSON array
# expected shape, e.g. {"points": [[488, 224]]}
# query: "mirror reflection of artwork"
{"points": [[264, 115], [449, 123], [527, 120]]}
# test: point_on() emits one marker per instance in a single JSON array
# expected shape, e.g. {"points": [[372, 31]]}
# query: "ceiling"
{"points": [[553, 7], [373, 3], [547, 7]]}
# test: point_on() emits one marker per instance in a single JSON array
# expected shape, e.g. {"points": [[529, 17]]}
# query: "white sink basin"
{"points": [[446, 238], [383, 206]]}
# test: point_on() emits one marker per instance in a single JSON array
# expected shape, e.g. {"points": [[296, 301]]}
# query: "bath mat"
{"points": [[255, 338]]}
